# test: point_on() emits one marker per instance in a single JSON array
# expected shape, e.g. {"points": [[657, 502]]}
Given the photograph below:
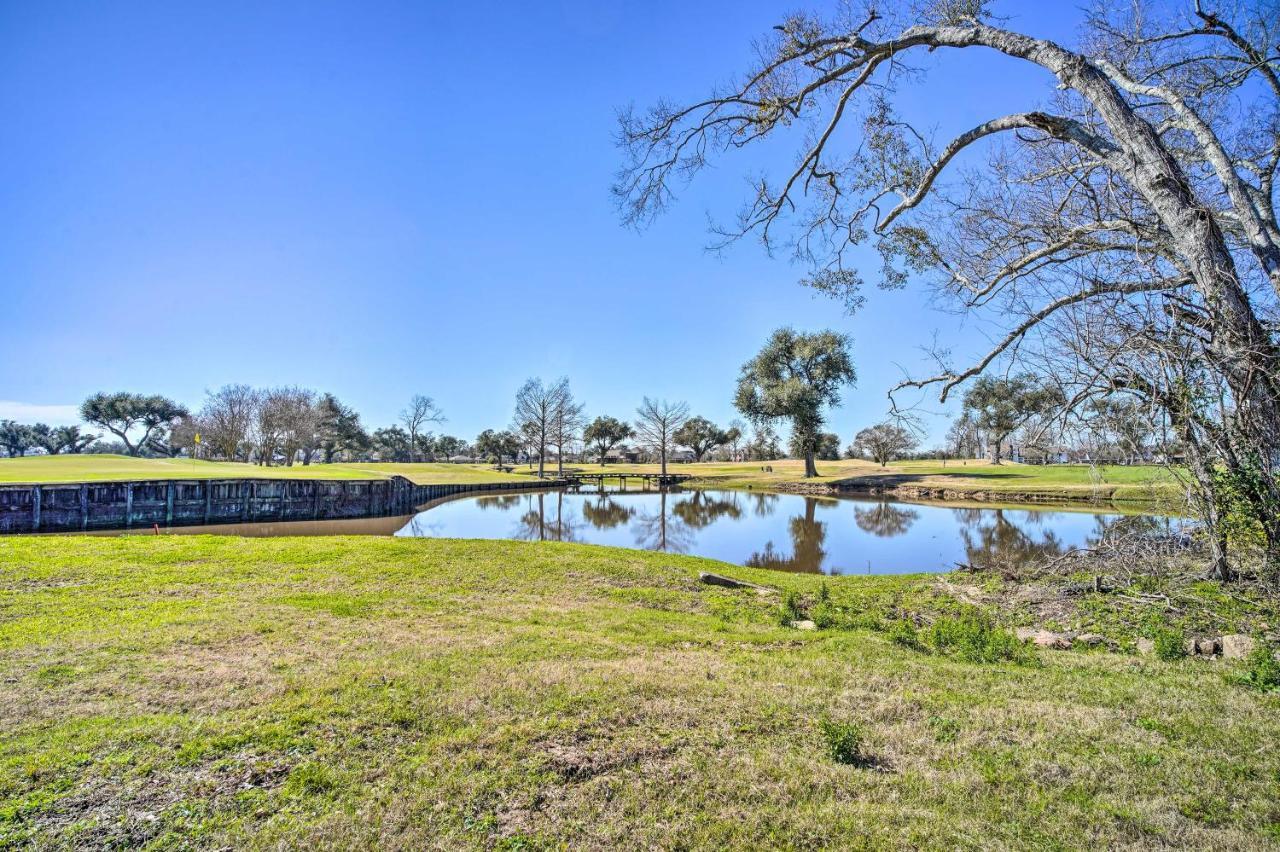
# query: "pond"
{"points": [[790, 532]]}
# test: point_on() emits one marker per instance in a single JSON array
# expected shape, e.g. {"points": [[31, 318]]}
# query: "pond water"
{"points": [[789, 532]]}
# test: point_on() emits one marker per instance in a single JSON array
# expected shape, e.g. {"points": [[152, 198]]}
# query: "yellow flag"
{"points": [[197, 437]]}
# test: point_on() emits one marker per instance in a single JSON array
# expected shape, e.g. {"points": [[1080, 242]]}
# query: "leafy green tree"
{"points": [[447, 446], [339, 430], [604, 433], [392, 444], [794, 377], [700, 435], [16, 438], [60, 439], [828, 446], [122, 413], [497, 445], [1000, 405]]}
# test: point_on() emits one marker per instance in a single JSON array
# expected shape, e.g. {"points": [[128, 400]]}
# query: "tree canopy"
{"points": [[124, 413], [795, 377]]}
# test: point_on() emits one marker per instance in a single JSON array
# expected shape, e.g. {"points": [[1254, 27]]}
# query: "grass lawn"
{"points": [[1137, 482], [97, 468], [415, 693]]}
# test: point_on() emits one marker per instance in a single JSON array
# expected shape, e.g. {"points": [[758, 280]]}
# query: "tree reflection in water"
{"points": [[535, 524], [993, 540], [885, 520], [501, 502], [808, 537], [701, 509], [605, 513], [659, 531]]}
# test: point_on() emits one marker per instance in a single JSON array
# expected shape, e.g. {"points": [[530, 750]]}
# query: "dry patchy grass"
{"points": [[337, 693]]}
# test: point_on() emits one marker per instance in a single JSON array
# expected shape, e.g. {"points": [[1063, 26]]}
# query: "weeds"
{"points": [[842, 741], [974, 638], [1259, 671]]}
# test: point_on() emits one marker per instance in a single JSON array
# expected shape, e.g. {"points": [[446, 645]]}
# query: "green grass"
{"points": [[342, 692], [99, 468], [962, 478]]}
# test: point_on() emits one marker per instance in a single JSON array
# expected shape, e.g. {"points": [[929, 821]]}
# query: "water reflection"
{"points": [[993, 539], [885, 519], [790, 532]]}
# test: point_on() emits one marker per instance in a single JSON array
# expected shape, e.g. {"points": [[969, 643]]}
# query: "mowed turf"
{"points": [[1134, 482], [416, 693], [99, 468]]}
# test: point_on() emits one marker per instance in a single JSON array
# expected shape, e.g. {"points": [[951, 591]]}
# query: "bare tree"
{"points": [[538, 408], [422, 410], [656, 424], [227, 420], [1145, 188], [884, 442], [566, 426]]}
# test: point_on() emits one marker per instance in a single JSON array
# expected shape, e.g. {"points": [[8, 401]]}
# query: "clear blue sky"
{"points": [[381, 199]]}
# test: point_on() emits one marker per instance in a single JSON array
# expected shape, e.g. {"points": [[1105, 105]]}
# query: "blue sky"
{"points": [[383, 199]]}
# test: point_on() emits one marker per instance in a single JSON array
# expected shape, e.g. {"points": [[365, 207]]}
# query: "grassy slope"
{"points": [[1118, 482], [96, 468], [358, 692]]}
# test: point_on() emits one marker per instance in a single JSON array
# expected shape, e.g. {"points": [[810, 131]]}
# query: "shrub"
{"points": [[843, 740], [902, 633], [824, 593], [824, 614], [1168, 644], [973, 637], [1259, 670], [791, 609]]}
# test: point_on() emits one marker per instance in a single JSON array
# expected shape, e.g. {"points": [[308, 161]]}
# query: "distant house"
{"points": [[680, 456], [623, 455], [1041, 455]]}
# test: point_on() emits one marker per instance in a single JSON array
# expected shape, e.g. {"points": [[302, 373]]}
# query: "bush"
{"points": [[1260, 670], [1168, 644], [904, 634], [791, 609], [843, 740], [973, 637], [825, 614]]}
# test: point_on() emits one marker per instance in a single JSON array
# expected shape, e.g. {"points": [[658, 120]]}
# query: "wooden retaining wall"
{"points": [[68, 507]]}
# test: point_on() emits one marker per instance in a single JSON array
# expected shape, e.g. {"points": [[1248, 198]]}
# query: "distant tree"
{"points": [[764, 444], [227, 421], [339, 429], [122, 413], [566, 425], [422, 410], [884, 442], [60, 439], [180, 436], [964, 438], [497, 445], [733, 437], [827, 448], [391, 444], [657, 423], [700, 435], [604, 433], [1001, 405], [16, 438], [537, 408], [794, 377], [447, 446]]}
